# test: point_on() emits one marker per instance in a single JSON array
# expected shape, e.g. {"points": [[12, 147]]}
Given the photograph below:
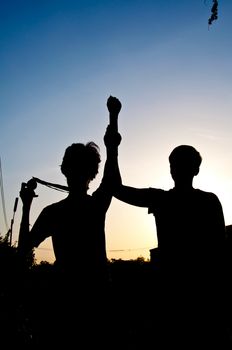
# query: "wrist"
{"points": [[114, 114], [26, 207], [112, 151]]}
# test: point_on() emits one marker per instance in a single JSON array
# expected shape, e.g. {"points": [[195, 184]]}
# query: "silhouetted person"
{"points": [[191, 233], [76, 225]]}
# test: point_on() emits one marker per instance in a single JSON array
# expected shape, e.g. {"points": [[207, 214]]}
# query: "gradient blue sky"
{"points": [[59, 62]]}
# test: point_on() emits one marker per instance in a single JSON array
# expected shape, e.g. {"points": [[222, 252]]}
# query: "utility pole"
{"points": [[12, 220]]}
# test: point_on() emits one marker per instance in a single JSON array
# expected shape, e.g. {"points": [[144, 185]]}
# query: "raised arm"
{"points": [[130, 195], [112, 176], [27, 194], [112, 139]]}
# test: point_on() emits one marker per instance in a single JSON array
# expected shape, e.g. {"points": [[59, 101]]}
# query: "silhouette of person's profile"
{"points": [[76, 225], [191, 235]]}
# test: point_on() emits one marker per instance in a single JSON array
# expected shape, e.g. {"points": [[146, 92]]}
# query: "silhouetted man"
{"points": [[76, 225], [191, 232]]}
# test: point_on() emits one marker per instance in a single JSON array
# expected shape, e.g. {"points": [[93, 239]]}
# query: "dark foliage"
{"points": [[26, 311], [214, 12]]}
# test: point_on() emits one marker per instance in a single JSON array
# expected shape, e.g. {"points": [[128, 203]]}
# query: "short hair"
{"points": [[82, 158], [185, 155]]}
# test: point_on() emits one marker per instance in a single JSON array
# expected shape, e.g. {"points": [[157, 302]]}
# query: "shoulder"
{"points": [[54, 207], [209, 197], [206, 194], [157, 194]]}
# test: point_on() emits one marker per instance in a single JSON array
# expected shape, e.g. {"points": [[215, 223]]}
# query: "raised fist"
{"points": [[114, 105], [27, 192]]}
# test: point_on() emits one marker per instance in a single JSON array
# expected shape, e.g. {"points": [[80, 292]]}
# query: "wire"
{"points": [[108, 250], [128, 250]]}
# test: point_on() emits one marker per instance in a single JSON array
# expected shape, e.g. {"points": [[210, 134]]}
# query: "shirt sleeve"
{"points": [[154, 198]]}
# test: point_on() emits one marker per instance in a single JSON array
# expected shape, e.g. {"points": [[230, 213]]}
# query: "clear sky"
{"points": [[59, 62]]}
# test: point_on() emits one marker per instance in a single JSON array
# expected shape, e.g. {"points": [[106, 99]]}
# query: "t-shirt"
{"points": [[190, 228], [77, 229]]}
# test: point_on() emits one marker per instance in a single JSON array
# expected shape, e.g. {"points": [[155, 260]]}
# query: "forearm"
{"points": [[133, 196], [111, 172], [113, 119], [112, 140], [23, 246]]}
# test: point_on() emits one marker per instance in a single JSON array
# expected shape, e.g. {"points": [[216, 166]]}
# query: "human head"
{"points": [[80, 162], [184, 162]]}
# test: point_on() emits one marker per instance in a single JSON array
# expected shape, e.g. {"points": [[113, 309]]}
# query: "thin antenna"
{"points": [[3, 197]]}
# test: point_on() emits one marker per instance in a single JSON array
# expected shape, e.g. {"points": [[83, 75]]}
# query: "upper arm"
{"points": [[40, 230], [139, 197], [218, 212], [217, 222]]}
